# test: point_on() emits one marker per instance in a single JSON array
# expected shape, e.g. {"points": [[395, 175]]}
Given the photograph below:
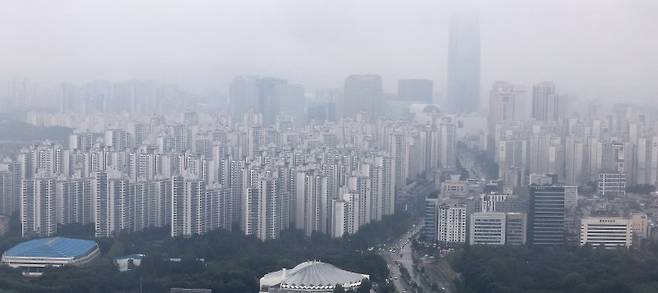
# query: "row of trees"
{"points": [[556, 269], [222, 261]]}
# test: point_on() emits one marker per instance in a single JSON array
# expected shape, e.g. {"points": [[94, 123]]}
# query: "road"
{"points": [[469, 162], [402, 254], [440, 273], [399, 252]]}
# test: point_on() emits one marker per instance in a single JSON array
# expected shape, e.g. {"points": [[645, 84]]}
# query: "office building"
{"points": [[607, 232], [546, 217], [430, 219], [640, 225], [488, 202], [487, 228], [516, 229]]}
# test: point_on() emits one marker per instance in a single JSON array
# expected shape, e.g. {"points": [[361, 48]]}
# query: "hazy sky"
{"points": [[589, 48]]}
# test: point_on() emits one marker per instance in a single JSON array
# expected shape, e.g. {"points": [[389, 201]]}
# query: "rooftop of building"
{"points": [[312, 274], [54, 247]]}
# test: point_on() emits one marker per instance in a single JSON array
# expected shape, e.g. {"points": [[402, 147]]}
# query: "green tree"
{"points": [[364, 287]]}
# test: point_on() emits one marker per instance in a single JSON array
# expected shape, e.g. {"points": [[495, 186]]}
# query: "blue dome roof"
{"points": [[56, 247]]}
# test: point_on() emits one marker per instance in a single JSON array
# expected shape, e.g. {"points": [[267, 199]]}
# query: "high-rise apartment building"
{"points": [[188, 202], [452, 223], [38, 212], [545, 102], [7, 198], [338, 218], [112, 198], [268, 225], [506, 105], [311, 202]]}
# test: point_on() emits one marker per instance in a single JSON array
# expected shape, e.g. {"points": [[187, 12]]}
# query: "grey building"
{"points": [[363, 93], [545, 102], [546, 215], [516, 229], [463, 88], [431, 219]]}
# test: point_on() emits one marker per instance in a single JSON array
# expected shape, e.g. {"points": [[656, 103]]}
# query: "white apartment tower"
{"points": [[188, 201], [452, 223], [38, 207]]}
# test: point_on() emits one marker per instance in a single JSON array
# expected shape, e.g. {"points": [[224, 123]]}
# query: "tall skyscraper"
{"points": [[545, 102], [463, 88], [363, 93], [546, 216]]}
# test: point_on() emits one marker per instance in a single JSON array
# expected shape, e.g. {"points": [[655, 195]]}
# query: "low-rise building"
{"points": [[516, 229], [609, 232], [35, 255], [487, 228], [310, 276], [612, 184], [640, 225]]}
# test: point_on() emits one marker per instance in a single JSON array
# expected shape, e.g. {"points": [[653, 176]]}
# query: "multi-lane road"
{"points": [[399, 253]]}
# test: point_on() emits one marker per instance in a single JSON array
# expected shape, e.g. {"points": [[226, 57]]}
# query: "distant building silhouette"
{"points": [[463, 88], [415, 90], [545, 102], [363, 93]]}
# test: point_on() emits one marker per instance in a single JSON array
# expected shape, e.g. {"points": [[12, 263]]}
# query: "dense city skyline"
{"points": [[592, 49], [329, 147]]}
